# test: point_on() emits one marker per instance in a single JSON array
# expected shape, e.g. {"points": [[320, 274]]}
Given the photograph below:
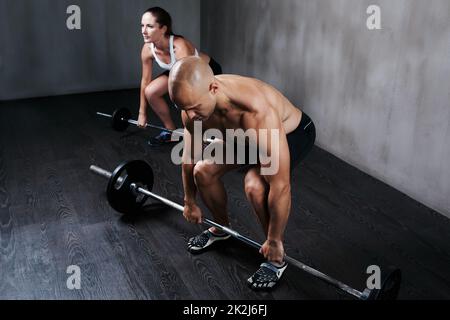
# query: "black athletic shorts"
{"points": [[301, 140], [215, 66]]}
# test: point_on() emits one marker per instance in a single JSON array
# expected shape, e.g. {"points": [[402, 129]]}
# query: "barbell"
{"points": [[131, 184], [121, 119]]}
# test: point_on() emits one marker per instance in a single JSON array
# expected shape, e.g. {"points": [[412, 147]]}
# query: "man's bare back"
{"points": [[250, 98]]}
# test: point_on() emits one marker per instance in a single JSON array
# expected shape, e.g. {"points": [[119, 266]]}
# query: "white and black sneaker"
{"points": [[200, 242], [267, 276]]}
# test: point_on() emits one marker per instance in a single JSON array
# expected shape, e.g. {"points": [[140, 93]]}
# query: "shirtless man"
{"points": [[235, 102]]}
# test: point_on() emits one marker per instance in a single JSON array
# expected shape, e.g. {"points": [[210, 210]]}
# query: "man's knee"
{"points": [[254, 187], [205, 173]]}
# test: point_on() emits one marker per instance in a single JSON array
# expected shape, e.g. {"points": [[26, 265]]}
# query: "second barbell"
{"points": [[121, 120]]}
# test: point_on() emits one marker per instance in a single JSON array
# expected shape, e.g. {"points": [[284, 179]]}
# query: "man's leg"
{"points": [[256, 190], [212, 191], [207, 177]]}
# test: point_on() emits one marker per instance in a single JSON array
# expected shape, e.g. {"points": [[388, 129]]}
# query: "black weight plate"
{"points": [[120, 195], [390, 287], [120, 119]]}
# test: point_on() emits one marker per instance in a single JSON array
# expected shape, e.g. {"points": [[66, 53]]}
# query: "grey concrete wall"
{"points": [[39, 56], [380, 99]]}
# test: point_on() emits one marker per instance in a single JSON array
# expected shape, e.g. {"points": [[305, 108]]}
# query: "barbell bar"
{"points": [[121, 119], [128, 189]]}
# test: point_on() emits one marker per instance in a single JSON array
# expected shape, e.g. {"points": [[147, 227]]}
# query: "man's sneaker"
{"points": [[200, 242], [162, 138], [267, 276]]}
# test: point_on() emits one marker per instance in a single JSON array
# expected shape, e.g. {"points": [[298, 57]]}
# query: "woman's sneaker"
{"points": [[267, 276], [164, 137], [202, 241]]}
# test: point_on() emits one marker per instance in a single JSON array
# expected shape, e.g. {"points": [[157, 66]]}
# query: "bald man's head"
{"points": [[190, 85]]}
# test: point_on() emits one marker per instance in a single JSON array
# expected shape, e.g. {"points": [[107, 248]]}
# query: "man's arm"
{"points": [[188, 164], [276, 148]]}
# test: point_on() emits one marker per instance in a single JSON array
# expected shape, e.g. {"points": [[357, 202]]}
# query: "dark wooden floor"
{"points": [[53, 213]]}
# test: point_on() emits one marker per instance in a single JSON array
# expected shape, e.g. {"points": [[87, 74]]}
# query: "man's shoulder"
{"points": [[246, 85], [237, 77]]}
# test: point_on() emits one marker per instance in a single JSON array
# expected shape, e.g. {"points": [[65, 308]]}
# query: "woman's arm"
{"points": [[183, 48], [147, 69]]}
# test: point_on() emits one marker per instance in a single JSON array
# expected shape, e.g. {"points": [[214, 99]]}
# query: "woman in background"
{"points": [[166, 48]]}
